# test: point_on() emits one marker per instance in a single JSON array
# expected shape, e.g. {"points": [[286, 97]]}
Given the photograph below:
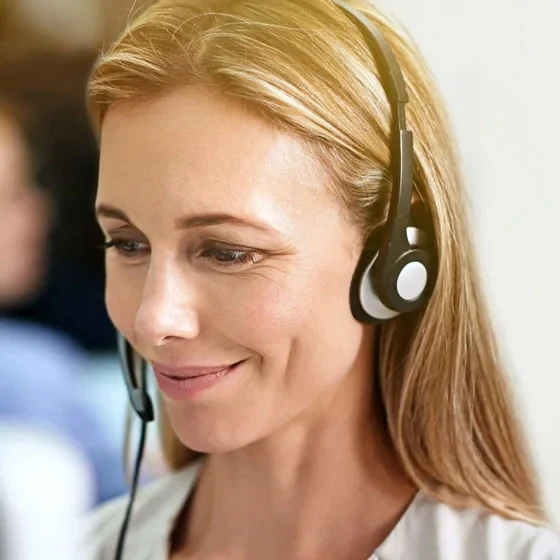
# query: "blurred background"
{"points": [[58, 363], [495, 63]]}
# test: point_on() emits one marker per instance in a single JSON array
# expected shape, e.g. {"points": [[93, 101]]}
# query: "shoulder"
{"points": [[155, 508], [441, 532]]}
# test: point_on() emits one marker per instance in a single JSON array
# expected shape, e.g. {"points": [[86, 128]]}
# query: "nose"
{"points": [[168, 309]]}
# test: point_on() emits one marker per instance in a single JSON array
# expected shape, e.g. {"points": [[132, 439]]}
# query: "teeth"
{"points": [[223, 372], [218, 372]]}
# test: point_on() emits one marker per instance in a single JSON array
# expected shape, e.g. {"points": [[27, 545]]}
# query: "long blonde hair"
{"points": [[305, 68]]}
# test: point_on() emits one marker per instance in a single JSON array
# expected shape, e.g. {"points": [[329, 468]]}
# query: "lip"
{"points": [[189, 382], [189, 371]]}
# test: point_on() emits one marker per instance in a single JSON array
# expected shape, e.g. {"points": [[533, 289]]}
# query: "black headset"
{"points": [[398, 266]]}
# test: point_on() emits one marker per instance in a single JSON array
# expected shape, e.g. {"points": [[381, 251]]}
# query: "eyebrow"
{"points": [[190, 221]]}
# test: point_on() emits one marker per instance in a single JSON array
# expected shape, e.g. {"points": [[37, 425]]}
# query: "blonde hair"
{"points": [[305, 68]]}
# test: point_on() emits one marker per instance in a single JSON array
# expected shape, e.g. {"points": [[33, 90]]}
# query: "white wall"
{"points": [[498, 65]]}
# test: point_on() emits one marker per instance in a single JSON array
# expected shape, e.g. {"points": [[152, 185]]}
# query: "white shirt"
{"points": [[428, 530]]}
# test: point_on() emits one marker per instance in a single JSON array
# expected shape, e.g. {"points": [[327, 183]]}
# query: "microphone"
{"points": [[133, 368], [46, 487]]}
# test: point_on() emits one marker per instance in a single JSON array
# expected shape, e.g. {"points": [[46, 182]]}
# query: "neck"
{"points": [[325, 486]]}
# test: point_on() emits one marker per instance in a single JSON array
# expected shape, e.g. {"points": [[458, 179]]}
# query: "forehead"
{"points": [[196, 149]]}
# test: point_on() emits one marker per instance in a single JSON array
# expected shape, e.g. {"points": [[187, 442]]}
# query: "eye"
{"points": [[221, 256], [125, 247]]}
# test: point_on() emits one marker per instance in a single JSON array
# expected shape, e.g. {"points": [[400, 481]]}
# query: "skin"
{"points": [[24, 220], [294, 452]]}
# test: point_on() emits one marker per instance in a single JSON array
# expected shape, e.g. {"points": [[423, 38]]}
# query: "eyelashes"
{"points": [[123, 247], [231, 256], [217, 255]]}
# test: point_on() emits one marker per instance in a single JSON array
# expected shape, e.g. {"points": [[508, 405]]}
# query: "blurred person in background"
{"points": [[25, 217], [46, 51], [39, 367], [50, 85]]}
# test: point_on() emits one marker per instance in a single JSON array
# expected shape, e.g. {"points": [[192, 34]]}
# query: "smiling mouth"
{"points": [[197, 375], [179, 374], [187, 383]]}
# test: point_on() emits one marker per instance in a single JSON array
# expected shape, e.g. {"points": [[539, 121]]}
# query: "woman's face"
{"points": [[230, 250]]}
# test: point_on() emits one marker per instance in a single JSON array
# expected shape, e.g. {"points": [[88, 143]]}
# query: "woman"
{"points": [[249, 157]]}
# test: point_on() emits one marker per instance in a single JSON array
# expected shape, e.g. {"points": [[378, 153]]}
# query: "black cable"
{"points": [[135, 476]]}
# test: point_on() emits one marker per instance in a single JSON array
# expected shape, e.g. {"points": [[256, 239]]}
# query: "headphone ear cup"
{"points": [[365, 304], [365, 300]]}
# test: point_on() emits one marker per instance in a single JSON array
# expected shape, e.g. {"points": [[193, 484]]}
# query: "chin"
{"points": [[211, 432]]}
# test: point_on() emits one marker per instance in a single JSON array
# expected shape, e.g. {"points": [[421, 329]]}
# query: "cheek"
{"points": [[264, 313], [303, 322]]}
